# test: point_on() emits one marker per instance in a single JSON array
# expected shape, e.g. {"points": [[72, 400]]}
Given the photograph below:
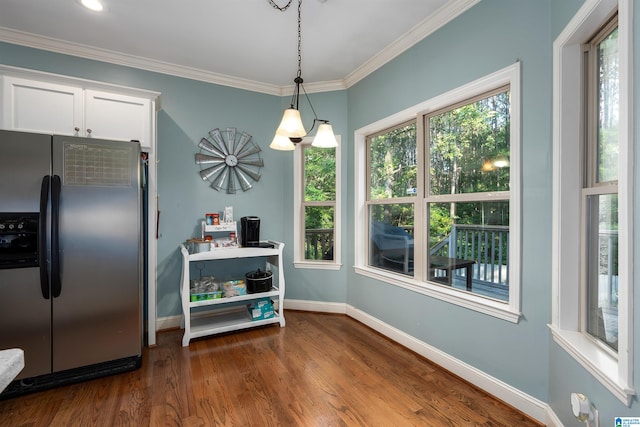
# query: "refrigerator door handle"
{"points": [[42, 238], [56, 284]]}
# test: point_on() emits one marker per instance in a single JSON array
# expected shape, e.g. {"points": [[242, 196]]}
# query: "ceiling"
{"points": [[241, 43]]}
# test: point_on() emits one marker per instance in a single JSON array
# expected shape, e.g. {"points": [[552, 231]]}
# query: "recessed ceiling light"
{"points": [[92, 4]]}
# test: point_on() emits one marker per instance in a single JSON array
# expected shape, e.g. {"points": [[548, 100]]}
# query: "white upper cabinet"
{"points": [[113, 116], [33, 106], [66, 106]]}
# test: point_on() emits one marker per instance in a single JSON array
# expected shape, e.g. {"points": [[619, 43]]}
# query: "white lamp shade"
{"points": [[325, 137], [291, 125], [282, 143]]}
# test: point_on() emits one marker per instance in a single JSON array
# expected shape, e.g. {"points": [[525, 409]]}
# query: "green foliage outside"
{"points": [[393, 163], [608, 108], [320, 185], [468, 148], [394, 174], [465, 144]]}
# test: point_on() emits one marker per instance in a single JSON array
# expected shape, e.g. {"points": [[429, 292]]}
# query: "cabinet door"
{"points": [[33, 106], [120, 117]]}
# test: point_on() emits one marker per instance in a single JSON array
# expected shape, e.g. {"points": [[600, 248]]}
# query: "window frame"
{"points": [[299, 212], [592, 186], [509, 311], [464, 197], [615, 372], [406, 200]]}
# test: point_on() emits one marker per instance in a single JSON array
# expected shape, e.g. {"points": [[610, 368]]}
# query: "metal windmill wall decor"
{"points": [[227, 158]]}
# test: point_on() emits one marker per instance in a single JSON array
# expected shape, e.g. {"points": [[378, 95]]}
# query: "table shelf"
{"points": [[237, 252], [229, 321], [274, 292], [224, 314]]}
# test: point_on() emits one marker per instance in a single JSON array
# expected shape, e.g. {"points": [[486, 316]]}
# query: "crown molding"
{"points": [[445, 14], [104, 55], [316, 87], [448, 12]]}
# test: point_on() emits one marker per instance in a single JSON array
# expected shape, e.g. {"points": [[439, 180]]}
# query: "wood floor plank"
{"points": [[320, 370]]}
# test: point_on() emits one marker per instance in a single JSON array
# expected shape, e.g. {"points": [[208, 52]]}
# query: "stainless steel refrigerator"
{"points": [[70, 256]]}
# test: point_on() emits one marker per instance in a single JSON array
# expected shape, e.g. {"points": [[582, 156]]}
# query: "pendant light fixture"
{"points": [[291, 130]]}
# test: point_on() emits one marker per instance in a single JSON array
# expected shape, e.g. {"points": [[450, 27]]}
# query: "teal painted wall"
{"points": [[308, 284], [565, 374], [522, 355], [503, 32], [189, 110]]}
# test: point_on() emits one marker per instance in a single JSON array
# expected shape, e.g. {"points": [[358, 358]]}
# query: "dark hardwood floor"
{"points": [[320, 370]]}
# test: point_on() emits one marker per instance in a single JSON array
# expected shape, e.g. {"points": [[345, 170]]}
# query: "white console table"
{"points": [[220, 317]]}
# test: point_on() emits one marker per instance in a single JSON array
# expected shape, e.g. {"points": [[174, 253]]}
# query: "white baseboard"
{"points": [[501, 390], [322, 307], [523, 402], [168, 322], [173, 322], [552, 419]]}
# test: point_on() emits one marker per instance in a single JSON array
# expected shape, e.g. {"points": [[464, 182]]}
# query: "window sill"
{"points": [[318, 265], [467, 300], [595, 360]]}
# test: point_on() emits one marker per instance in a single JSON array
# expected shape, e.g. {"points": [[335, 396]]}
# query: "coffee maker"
{"points": [[250, 231]]}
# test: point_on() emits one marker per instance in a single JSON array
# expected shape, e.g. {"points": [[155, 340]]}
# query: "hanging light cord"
{"points": [[281, 9], [295, 99], [298, 80]]}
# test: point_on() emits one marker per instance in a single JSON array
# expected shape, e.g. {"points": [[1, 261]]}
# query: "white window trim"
{"points": [[298, 217], [507, 311], [616, 374]]}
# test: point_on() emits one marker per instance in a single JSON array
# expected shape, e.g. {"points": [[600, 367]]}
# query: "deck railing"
{"points": [[318, 244], [608, 267], [488, 245]]}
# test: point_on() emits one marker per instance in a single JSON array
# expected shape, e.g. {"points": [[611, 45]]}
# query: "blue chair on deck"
{"points": [[393, 247]]}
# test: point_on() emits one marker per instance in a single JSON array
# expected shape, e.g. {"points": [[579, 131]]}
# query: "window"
{"points": [[468, 194], [391, 198], [593, 174], [599, 199], [316, 189], [438, 191]]}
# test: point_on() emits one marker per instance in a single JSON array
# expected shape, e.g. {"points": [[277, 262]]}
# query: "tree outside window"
{"points": [[319, 203], [437, 196], [468, 200], [392, 193], [600, 192]]}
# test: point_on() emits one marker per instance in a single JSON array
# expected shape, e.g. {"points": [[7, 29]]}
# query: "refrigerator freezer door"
{"points": [[97, 316], [25, 314]]}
